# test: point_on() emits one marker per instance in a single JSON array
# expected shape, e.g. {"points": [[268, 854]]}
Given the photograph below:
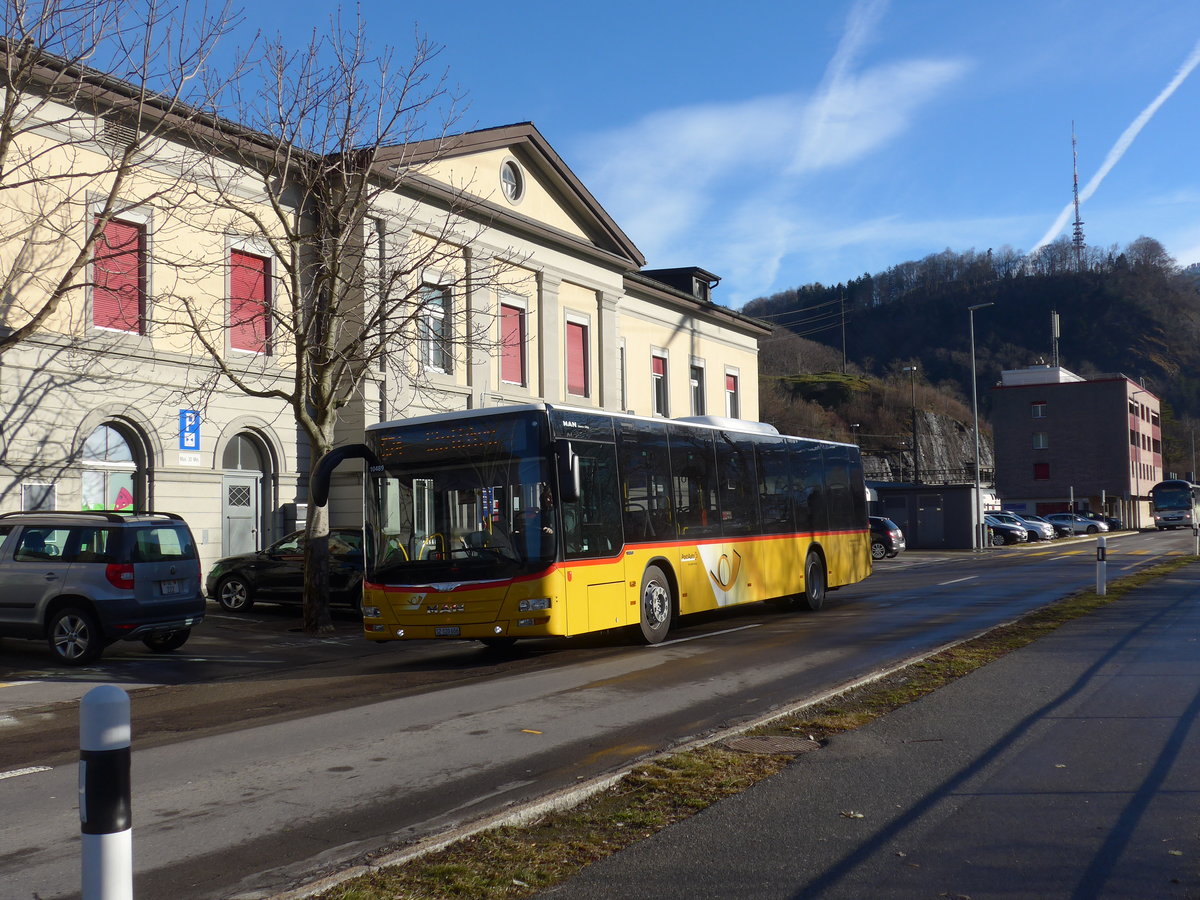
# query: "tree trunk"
{"points": [[316, 572]]}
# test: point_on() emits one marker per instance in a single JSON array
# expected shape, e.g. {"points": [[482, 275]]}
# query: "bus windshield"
{"points": [[461, 500], [1172, 496]]}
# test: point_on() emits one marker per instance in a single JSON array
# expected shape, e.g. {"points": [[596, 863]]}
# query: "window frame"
{"points": [[696, 384], [660, 395], [435, 330], [253, 250], [142, 222], [733, 395], [521, 307], [575, 324]]}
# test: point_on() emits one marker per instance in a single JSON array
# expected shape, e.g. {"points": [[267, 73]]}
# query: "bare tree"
{"points": [[72, 137], [328, 181]]}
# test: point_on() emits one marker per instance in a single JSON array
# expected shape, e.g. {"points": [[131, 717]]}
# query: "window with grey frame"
{"points": [[435, 327]]}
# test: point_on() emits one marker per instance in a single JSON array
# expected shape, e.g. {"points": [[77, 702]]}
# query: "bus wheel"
{"points": [[814, 581], [656, 605]]}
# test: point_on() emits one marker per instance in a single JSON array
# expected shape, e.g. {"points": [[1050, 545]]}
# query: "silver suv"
{"points": [[84, 580]]}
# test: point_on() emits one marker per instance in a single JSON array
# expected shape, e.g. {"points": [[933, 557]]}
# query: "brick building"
{"points": [[1062, 439]]}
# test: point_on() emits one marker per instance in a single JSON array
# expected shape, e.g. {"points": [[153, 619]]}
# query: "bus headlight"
{"points": [[532, 605], [371, 612]]}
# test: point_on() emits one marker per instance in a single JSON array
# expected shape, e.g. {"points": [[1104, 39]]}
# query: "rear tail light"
{"points": [[120, 575]]}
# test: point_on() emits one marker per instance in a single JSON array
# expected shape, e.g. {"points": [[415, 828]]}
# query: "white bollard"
{"points": [[105, 819], [1196, 540], [1101, 565]]}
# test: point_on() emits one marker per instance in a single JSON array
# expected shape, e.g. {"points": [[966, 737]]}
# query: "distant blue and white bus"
{"points": [[1175, 504]]}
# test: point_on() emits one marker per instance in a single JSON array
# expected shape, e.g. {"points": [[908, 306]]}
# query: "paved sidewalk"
{"points": [[1070, 768]]}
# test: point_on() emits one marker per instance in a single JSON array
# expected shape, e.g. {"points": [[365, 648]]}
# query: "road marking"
{"points": [[956, 580], [697, 637], [27, 771]]}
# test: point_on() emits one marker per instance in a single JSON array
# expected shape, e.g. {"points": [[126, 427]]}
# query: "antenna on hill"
{"points": [[1077, 234]]}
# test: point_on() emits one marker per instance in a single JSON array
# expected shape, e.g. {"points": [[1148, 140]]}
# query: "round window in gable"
{"points": [[512, 181]]}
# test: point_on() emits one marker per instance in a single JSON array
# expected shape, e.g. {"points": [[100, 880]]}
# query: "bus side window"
{"points": [[645, 481], [592, 525]]}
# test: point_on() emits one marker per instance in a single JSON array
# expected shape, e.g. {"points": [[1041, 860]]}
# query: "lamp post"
{"points": [[977, 541], [912, 370]]}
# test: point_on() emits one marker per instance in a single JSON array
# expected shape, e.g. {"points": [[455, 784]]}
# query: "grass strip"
{"points": [[519, 861]]}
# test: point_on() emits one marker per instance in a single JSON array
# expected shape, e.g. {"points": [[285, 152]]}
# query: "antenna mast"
{"points": [[1077, 234]]}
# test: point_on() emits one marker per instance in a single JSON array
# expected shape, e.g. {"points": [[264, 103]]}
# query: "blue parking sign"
{"points": [[189, 429]]}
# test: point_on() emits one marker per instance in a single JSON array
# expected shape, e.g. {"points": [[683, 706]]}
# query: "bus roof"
{"points": [[717, 423]]}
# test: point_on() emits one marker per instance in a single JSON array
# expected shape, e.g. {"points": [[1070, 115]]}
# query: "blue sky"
{"points": [[783, 143]]}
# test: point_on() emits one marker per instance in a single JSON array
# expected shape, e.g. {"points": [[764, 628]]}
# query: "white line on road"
{"points": [[699, 636], [27, 771], [956, 580]]}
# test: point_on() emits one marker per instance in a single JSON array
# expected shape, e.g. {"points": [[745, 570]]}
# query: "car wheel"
{"points": [[1092, 529], [74, 636], [814, 581], [997, 540], [235, 594], [166, 641], [656, 605], [878, 550]]}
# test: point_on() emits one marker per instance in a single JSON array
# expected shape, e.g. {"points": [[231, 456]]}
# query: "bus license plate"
{"points": [[447, 631], [170, 587]]}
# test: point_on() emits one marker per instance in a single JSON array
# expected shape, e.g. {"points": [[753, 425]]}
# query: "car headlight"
{"points": [[531, 605]]}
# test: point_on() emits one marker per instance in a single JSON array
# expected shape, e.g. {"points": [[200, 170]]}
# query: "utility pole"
{"points": [[912, 370]]}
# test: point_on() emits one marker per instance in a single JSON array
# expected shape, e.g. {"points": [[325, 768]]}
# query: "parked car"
{"points": [[1032, 532], [1113, 523], [1039, 530], [886, 538], [1004, 532], [276, 574], [1077, 523], [1060, 529], [84, 580]]}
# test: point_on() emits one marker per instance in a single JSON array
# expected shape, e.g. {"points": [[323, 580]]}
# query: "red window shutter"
{"points": [[658, 366], [248, 311], [731, 383], [577, 364], [512, 344], [118, 276]]}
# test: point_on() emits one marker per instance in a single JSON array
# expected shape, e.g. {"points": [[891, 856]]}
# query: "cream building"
{"points": [[113, 403]]}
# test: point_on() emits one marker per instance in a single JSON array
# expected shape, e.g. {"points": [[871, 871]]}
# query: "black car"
{"points": [[886, 538], [276, 574], [1002, 533]]}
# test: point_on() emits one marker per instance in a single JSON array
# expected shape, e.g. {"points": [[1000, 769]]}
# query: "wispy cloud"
{"points": [[723, 185], [1122, 144]]}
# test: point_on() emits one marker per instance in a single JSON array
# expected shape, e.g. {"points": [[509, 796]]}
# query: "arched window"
{"points": [[242, 453], [112, 470]]}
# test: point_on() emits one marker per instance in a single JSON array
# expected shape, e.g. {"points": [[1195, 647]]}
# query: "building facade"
{"points": [[1063, 440], [123, 398]]}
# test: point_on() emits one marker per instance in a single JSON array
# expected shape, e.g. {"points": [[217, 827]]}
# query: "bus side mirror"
{"points": [[568, 471], [323, 471]]}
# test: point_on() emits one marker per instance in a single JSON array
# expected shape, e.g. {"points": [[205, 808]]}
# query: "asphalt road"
{"points": [[263, 758]]}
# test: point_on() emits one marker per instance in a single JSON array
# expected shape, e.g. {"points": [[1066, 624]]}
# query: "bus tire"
{"points": [[655, 606], [814, 582]]}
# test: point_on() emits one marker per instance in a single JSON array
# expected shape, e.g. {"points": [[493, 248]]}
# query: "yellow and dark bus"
{"points": [[542, 520]]}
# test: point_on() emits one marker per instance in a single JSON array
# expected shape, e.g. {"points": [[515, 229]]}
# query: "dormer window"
{"points": [[700, 289]]}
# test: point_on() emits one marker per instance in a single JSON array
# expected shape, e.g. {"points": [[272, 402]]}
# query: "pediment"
{"points": [[550, 194]]}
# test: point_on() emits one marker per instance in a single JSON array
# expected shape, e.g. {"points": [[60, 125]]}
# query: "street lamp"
{"points": [[977, 541], [912, 370]]}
